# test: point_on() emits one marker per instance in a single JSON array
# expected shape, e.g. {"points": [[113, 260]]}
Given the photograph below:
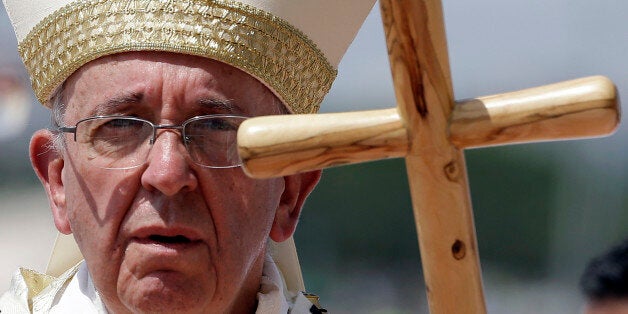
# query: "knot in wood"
{"points": [[458, 250], [452, 171]]}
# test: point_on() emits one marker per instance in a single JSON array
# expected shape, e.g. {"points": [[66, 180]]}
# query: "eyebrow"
{"points": [[120, 102], [219, 105], [114, 104]]}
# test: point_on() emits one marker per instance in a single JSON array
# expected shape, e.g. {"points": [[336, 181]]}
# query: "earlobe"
{"points": [[48, 165], [297, 188]]}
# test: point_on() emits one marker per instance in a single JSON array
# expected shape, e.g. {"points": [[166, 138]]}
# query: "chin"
{"points": [[166, 293]]}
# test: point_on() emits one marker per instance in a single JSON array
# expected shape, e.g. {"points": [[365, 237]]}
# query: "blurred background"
{"points": [[541, 210]]}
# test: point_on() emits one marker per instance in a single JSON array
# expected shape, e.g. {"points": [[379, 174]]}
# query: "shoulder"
{"points": [[306, 303], [25, 284], [12, 303], [32, 292]]}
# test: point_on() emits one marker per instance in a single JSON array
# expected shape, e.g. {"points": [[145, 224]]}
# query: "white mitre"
{"points": [[292, 46]]}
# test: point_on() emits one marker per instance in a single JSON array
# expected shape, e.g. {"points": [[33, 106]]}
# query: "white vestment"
{"points": [[74, 292]]}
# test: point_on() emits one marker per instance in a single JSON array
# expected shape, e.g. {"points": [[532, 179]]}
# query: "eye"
{"points": [[117, 128], [122, 124], [208, 126], [217, 124]]}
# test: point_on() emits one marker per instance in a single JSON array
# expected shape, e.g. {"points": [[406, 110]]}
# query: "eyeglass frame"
{"points": [[155, 127]]}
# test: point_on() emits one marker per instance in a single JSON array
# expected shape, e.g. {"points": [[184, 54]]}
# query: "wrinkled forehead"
{"points": [[158, 79]]}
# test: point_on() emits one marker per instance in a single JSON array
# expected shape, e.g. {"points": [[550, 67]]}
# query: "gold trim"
{"points": [[255, 41], [35, 283]]}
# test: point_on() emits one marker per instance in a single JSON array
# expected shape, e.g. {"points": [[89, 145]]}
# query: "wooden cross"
{"points": [[430, 130]]}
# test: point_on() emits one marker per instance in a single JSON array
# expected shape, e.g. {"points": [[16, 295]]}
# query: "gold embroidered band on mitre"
{"points": [[255, 41]]}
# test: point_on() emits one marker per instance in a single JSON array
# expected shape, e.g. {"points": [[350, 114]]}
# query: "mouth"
{"points": [[161, 249], [166, 245], [173, 237], [178, 239]]}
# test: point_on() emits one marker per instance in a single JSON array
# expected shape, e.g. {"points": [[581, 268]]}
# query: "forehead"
{"points": [[160, 81]]}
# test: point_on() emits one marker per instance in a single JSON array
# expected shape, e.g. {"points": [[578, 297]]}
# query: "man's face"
{"points": [[169, 235]]}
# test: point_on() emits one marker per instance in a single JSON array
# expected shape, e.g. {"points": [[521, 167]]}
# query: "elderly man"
{"points": [[141, 166]]}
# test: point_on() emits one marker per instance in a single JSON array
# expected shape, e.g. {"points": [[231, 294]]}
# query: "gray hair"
{"points": [[57, 115]]}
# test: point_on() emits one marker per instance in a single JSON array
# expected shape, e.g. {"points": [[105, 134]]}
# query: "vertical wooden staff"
{"points": [[417, 49], [430, 130]]}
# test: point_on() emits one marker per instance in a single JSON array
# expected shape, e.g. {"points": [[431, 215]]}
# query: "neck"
{"points": [[246, 300]]}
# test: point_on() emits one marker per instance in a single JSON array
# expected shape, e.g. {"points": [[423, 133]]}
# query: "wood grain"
{"points": [[284, 145], [288, 144], [417, 49], [430, 130], [586, 107]]}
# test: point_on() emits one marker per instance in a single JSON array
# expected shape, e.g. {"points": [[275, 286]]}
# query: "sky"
{"points": [[497, 46]]}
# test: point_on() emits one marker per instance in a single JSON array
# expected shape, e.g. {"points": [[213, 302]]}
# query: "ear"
{"points": [[48, 165], [297, 188]]}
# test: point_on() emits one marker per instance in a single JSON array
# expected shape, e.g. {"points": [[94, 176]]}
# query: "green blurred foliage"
{"points": [[512, 191], [363, 214], [358, 214]]}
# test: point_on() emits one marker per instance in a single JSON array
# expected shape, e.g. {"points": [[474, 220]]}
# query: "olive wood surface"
{"points": [[274, 146], [430, 130]]}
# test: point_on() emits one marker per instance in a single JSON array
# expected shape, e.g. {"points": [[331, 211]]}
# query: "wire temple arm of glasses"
{"points": [[68, 129]]}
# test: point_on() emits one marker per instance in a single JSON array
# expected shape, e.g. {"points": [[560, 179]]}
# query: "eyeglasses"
{"points": [[119, 142]]}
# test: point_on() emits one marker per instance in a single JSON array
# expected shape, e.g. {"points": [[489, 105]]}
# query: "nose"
{"points": [[168, 168]]}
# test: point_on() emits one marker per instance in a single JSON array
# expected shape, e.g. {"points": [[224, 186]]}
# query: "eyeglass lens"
{"points": [[124, 142]]}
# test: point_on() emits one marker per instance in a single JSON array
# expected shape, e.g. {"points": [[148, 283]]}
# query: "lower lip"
{"points": [[167, 261]]}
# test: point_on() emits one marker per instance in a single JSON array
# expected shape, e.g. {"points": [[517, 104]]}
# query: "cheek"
{"points": [[239, 203], [97, 201], [101, 195], [255, 198]]}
